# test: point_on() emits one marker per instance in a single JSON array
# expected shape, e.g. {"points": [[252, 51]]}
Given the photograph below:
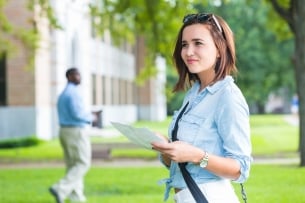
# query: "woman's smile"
{"points": [[191, 61]]}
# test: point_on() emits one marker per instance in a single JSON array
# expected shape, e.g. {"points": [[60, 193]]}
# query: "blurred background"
{"points": [[123, 50]]}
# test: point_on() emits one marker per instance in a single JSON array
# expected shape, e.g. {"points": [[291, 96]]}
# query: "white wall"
{"points": [[17, 122]]}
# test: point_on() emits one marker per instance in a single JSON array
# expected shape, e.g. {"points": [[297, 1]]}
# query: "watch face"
{"points": [[203, 163]]}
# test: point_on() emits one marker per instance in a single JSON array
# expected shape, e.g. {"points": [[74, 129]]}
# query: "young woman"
{"points": [[213, 129]]}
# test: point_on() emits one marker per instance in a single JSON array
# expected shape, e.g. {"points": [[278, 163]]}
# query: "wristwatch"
{"points": [[204, 161]]}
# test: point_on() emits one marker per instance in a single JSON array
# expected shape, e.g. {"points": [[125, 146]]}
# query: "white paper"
{"points": [[140, 136]]}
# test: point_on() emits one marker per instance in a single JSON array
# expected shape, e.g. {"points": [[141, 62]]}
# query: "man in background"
{"points": [[75, 142]]}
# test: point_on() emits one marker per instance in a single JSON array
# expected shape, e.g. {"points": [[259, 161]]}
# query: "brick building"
{"points": [[28, 96]]}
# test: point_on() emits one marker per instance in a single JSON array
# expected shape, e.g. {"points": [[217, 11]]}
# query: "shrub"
{"points": [[19, 142]]}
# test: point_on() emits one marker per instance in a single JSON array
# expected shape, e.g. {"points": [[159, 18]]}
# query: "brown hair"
{"points": [[224, 42]]}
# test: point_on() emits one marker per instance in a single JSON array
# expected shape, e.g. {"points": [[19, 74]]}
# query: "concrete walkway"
{"points": [[134, 163], [103, 132], [292, 119], [95, 163]]}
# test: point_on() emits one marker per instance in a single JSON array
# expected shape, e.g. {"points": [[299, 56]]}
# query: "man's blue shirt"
{"points": [[71, 108]]}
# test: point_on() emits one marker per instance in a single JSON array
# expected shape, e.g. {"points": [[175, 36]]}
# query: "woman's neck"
{"points": [[206, 78]]}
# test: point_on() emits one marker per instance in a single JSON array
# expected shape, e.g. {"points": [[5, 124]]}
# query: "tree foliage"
{"points": [[263, 55], [29, 36], [157, 21]]}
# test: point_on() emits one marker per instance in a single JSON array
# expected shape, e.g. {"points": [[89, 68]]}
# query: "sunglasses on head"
{"points": [[202, 17]]}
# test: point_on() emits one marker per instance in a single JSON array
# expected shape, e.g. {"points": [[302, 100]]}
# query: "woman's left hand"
{"points": [[179, 151]]}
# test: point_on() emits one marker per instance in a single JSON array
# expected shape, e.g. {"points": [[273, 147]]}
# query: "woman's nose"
{"points": [[189, 51]]}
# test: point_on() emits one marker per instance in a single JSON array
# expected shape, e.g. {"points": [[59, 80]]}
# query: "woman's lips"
{"points": [[191, 61]]}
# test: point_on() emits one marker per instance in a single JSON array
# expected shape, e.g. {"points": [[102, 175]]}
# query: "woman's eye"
{"points": [[198, 43], [184, 45]]}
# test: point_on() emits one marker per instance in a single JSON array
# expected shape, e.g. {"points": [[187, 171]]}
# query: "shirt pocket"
{"points": [[189, 126]]}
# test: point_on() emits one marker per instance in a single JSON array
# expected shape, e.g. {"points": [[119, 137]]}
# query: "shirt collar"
{"points": [[71, 84], [212, 89]]}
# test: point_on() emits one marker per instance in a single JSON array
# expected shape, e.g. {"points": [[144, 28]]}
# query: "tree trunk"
{"points": [[298, 16], [295, 16], [300, 78]]}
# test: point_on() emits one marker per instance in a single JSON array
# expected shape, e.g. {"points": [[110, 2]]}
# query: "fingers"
{"points": [[161, 145], [163, 138]]}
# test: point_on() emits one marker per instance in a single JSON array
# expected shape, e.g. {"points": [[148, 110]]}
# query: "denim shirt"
{"points": [[217, 121], [71, 109]]}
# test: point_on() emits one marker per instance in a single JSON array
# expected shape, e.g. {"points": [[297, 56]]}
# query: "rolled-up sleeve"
{"points": [[245, 163]]}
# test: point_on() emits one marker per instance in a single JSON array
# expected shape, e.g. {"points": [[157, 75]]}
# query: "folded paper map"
{"points": [[140, 136]]}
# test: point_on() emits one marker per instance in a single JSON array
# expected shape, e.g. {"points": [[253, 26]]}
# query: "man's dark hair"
{"points": [[71, 71]]}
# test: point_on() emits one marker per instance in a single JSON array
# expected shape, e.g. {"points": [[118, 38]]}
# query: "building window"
{"points": [[74, 52], [103, 91], [108, 91], [94, 91], [123, 92], [130, 93], [3, 98], [116, 91]]}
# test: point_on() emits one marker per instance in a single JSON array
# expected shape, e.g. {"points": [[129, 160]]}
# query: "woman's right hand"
{"points": [[166, 159], [162, 137]]}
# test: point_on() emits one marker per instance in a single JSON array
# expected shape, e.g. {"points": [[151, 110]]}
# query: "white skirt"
{"points": [[215, 192]]}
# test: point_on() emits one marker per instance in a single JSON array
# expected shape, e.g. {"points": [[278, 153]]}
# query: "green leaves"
{"points": [[29, 35], [263, 53]]}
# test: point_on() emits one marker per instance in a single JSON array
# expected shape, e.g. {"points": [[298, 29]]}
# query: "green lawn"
{"points": [[268, 183], [271, 136]]}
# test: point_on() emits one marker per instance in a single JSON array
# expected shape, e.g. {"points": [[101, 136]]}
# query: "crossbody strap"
{"points": [[243, 193], [191, 184]]}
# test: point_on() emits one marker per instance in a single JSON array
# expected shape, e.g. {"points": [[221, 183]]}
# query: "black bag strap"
{"points": [[191, 184], [243, 193]]}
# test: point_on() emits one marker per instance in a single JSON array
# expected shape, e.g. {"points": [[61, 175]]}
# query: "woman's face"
{"points": [[198, 52]]}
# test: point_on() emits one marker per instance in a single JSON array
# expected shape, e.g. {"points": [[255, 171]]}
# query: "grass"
{"points": [[268, 183], [271, 136], [46, 151], [102, 185], [276, 184]]}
